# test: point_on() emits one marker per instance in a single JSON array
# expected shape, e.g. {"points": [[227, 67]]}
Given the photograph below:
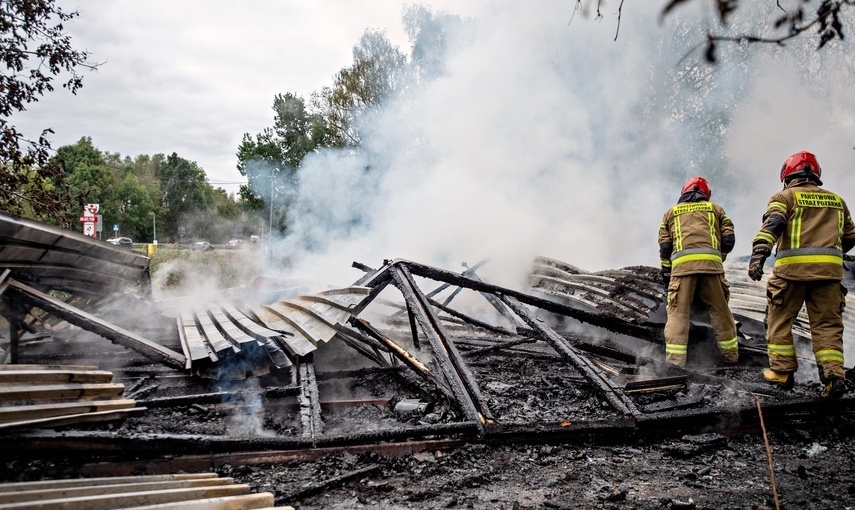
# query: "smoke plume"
{"points": [[538, 135]]}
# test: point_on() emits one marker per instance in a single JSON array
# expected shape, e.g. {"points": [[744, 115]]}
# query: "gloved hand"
{"points": [[666, 276], [758, 258]]}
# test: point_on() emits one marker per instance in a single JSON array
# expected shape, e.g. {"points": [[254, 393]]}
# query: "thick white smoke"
{"points": [[543, 137]]}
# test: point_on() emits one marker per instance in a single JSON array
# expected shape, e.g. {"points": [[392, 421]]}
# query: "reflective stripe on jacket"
{"points": [[690, 238], [812, 228]]}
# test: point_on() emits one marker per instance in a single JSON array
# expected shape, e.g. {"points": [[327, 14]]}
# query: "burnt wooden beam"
{"points": [[602, 384], [498, 347], [96, 325], [218, 397], [607, 322], [356, 342], [361, 336], [462, 382], [310, 401], [196, 463], [413, 329], [470, 320], [50, 443], [405, 357], [317, 487], [377, 286]]}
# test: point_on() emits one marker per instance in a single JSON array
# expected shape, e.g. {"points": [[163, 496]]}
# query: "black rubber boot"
{"points": [[833, 388]]}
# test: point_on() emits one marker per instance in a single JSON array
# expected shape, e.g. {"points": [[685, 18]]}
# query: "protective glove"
{"points": [[758, 258], [666, 276]]}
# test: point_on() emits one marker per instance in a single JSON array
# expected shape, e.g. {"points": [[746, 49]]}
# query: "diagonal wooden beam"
{"points": [[95, 324], [462, 383]]}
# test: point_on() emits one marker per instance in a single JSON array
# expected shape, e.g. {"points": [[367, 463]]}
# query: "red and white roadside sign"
{"points": [[89, 219]]}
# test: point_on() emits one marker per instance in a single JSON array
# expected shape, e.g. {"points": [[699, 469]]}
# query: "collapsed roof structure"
{"points": [[577, 354]]}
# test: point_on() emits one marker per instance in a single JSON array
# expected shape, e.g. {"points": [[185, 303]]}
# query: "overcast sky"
{"points": [[193, 76], [540, 137]]}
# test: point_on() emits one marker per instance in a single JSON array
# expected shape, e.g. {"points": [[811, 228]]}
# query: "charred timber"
{"points": [[96, 325], [51, 443], [318, 487], [462, 382], [405, 357], [498, 347], [196, 463], [601, 383], [606, 322], [368, 347], [309, 398], [218, 397], [804, 410], [468, 319], [451, 350]]}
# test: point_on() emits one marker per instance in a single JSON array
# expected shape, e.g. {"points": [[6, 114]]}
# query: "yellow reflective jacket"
{"points": [[812, 228], [694, 237]]}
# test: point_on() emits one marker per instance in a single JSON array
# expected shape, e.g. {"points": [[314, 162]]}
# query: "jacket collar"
{"points": [[692, 196]]}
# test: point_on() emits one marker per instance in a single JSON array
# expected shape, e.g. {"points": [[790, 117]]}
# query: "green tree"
{"points": [[258, 159], [379, 69], [90, 178], [298, 131], [134, 209], [34, 50], [184, 190], [271, 159]]}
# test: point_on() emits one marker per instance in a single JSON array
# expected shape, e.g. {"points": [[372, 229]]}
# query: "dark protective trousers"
{"points": [[713, 291], [824, 301]]}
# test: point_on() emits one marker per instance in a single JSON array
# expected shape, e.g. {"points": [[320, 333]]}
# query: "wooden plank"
{"points": [[249, 326], [182, 339], [48, 367], [215, 339], [130, 499], [195, 342], [311, 330], [3, 280], [39, 411], [106, 480], [266, 338], [96, 325], [54, 376], [232, 332], [321, 327], [246, 502], [97, 490], [59, 421], [292, 339], [23, 392]]}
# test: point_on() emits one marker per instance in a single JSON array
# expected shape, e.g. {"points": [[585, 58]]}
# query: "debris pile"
{"points": [[390, 365]]}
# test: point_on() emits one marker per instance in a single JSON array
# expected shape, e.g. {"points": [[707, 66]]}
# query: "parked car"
{"points": [[202, 246], [122, 242], [234, 244]]}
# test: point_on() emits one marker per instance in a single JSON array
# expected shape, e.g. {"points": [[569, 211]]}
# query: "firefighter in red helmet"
{"points": [[694, 238], [812, 228]]}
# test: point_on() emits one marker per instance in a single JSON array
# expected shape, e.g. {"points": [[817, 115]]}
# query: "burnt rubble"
{"points": [[390, 366]]}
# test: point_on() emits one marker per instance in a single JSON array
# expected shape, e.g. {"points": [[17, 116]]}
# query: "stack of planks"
{"points": [[33, 396], [220, 340], [190, 491]]}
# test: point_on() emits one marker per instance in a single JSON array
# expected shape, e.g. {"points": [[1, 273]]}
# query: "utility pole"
{"points": [[270, 227]]}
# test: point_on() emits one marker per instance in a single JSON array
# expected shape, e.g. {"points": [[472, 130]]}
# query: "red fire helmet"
{"points": [[697, 184], [801, 164]]}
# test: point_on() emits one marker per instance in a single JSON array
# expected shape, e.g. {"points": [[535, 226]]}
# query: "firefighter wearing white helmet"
{"points": [[812, 228], [694, 238]]}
